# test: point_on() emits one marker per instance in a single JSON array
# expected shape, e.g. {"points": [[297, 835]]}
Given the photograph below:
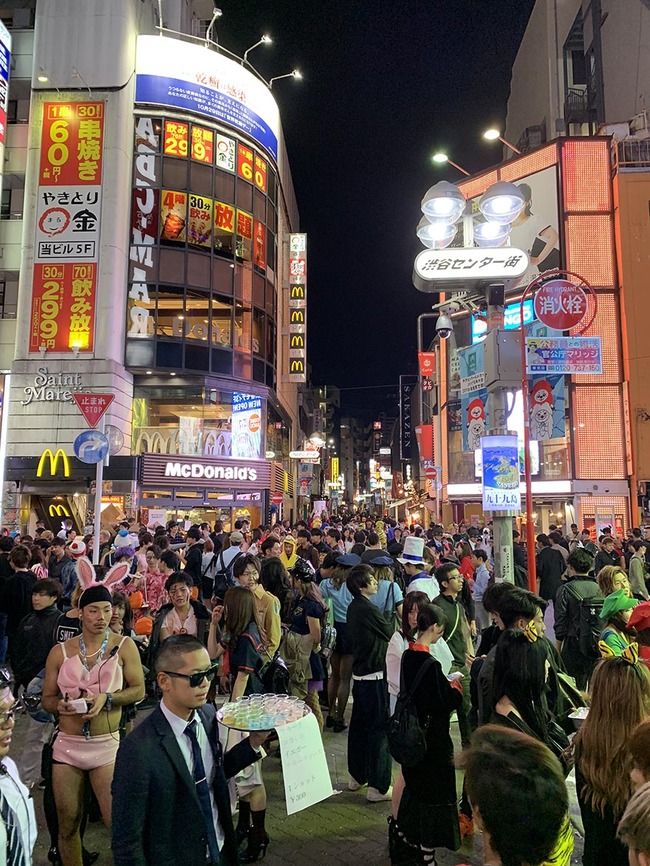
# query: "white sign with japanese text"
{"points": [[472, 263], [304, 765], [67, 223]]}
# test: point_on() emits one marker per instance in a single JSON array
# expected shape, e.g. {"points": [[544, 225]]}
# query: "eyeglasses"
{"points": [[8, 716], [194, 680]]}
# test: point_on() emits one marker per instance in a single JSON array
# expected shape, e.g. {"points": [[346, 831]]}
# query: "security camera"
{"points": [[444, 326]]}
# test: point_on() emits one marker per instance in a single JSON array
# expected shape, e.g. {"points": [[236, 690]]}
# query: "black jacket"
{"points": [[193, 560], [156, 813], [16, 599], [550, 568], [567, 606], [34, 638], [369, 634]]}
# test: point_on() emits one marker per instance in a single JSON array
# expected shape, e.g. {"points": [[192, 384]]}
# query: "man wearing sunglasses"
{"points": [[171, 803], [17, 819]]}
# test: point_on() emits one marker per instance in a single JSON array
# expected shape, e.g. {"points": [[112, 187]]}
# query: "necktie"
{"points": [[15, 847], [203, 792]]}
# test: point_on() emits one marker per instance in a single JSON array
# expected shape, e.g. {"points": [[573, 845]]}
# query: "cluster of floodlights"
{"points": [[444, 204]]}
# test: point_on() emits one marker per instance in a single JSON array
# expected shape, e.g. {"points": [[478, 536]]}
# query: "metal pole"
{"points": [[501, 523], [530, 529], [99, 483]]}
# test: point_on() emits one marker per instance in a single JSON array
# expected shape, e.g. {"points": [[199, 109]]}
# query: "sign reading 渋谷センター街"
{"points": [[68, 215]]}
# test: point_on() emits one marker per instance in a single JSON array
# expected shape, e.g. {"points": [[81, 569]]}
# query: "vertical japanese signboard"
{"points": [[68, 215], [5, 65], [298, 308]]}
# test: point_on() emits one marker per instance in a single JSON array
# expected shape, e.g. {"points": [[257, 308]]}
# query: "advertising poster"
{"points": [[259, 245], [473, 395], [454, 417], [183, 75], [224, 227], [226, 153], [500, 457], [5, 67], [245, 162], [202, 144], [536, 229], [246, 426], [546, 401], [200, 220], [190, 430], [69, 199], [406, 385], [173, 216], [260, 172], [63, 305], [175, 138], [571, 355], [244, 234]]}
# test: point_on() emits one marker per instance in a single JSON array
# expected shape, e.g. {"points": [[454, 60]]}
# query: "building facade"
{"points": [[152, 264]]}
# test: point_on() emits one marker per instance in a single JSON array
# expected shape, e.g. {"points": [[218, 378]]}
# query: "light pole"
{"points": [[441, 158], [295, 73], [493, 134], [263, 40]]}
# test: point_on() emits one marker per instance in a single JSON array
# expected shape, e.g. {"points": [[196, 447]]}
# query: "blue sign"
{"points": [[500, 456], [91, 446], [511, 319]]}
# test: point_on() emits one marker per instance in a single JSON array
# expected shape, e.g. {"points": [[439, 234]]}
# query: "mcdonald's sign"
{"points": [[58, 511], [297, 302], [54, 458]]}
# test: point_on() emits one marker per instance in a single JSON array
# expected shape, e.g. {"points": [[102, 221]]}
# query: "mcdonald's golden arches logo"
{"points": [[297, 317], [297, 341], [58, 511], [54, 458], [297, 365]]}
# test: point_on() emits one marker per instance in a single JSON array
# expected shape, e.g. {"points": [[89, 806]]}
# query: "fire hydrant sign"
{"points": [[561, 304], [93, 406]]}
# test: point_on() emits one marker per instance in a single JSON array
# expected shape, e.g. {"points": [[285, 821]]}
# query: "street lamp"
{"points": [[441, 158], [493, 134], [502, 202], [444, 203], [491, 234], [263, 40], [436, 235], [217, 13], [295, 73]]}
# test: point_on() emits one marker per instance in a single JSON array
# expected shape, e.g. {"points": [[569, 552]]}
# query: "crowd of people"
{"points": [[119, 666]]}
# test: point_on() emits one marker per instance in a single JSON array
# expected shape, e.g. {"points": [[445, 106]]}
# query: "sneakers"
{"points": [[353, 785], [375, 796]]}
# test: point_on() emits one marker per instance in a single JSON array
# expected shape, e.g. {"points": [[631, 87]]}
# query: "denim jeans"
{"points": [[369, 760]]}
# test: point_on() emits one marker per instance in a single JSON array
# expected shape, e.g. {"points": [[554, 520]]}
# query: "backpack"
{"points": [[589, 623], [406, 738], [223, 579]]}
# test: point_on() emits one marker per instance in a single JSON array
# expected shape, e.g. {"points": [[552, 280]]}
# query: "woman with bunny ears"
{"points": [[88, 679]]}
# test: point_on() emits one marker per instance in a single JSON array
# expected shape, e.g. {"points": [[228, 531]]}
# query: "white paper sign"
{"points": [[304, 765]]}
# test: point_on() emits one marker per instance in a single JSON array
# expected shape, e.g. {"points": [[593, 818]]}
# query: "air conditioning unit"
{"points": [[639, 126]]}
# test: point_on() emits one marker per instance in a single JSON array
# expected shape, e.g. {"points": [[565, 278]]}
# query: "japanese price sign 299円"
{"points": [[68, 218]]}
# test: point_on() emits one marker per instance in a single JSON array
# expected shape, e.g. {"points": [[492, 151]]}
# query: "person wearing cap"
{"points": [[615, 616], [88, 679], [418, 578], [334, 590]]}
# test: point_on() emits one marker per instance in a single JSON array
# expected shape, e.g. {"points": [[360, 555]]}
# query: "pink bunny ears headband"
{"points": [[94, 591]]}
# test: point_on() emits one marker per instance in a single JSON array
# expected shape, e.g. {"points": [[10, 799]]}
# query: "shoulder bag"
{"points": [[407, 741]]}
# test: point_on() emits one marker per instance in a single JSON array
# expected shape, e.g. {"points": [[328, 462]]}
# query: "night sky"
{"points": [[385, 85]]}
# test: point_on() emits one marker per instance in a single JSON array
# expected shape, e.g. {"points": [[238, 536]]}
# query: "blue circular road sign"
{"points": [[91, 446]]}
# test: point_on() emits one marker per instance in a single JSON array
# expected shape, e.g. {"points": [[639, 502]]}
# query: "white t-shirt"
{"points": [[397, 646], [17, 795], [429, 585]]}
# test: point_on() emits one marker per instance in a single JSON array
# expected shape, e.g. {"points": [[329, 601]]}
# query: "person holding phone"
{"points": [[88, 679]]}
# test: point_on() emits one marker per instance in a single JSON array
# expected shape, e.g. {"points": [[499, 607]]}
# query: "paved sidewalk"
{"points": [[344, 830]]}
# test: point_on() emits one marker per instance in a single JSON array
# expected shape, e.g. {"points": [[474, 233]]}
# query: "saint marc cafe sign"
{"points": [[49, 387]]}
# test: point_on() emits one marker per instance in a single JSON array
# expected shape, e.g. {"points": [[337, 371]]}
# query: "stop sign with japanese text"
{"points": [[561, 304]]}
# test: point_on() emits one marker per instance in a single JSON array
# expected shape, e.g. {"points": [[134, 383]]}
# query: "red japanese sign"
{"points": [[63, 307], [71, 143], [561, 304], [260, 173], [176, 137], [92, 406], [202, 144], [245, 162], [427, 363], [259, 245]]}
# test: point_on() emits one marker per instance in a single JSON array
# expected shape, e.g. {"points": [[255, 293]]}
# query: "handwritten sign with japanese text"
{"points": [[304, 765]]}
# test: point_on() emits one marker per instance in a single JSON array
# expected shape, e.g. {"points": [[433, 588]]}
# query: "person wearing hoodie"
{"points": [[289, 557]]}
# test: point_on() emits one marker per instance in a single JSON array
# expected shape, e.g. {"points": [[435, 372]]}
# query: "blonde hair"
{"points": [[606, 577], [382, 572], [620, 700]]}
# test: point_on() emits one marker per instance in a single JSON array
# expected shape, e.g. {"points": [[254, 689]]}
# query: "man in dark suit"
{"points": [[171, 803]]}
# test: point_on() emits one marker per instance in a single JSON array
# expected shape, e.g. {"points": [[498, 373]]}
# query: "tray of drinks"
{"points": [[261, 712]]}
